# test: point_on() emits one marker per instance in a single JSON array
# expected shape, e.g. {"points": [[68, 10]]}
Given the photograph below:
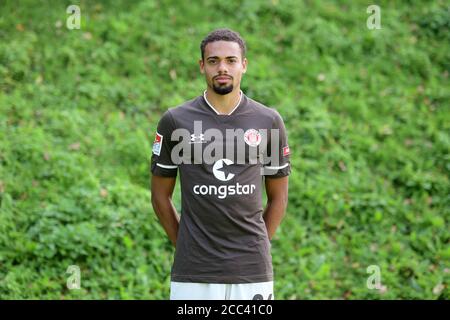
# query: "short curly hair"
{"points": [[223, 35]]}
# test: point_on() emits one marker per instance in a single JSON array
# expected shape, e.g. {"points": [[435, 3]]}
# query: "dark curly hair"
{"points": [[223, 35]]}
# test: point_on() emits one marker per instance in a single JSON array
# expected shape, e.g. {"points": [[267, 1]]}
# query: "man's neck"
{"points": [[223, 104]]}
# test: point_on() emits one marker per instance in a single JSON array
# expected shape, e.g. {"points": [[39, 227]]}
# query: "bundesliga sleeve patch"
{"points": [[157, 144], [286, 151]]}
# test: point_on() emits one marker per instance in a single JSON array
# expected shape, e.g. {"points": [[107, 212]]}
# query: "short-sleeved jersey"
{"points": [[222, 163]]}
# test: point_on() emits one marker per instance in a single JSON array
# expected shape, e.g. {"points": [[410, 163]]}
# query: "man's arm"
{"points": [[277, 199], [162, 190]]}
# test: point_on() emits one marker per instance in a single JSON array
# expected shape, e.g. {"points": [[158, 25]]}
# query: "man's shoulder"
{"points": [[262, 109], [170, 115]]}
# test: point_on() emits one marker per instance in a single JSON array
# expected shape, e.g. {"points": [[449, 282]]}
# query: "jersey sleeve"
{"points": [[278, 154], [161, 161]]}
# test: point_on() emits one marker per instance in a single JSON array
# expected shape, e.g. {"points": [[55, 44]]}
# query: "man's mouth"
{"points": [[222, 79]]}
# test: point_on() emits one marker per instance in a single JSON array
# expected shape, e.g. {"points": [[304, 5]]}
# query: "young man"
{"points": [[224, 145]]}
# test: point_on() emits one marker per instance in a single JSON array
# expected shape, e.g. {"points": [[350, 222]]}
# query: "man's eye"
{"points": [[232, 61], [212, 61]]}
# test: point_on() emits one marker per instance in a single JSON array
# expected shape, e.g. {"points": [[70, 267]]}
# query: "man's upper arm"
{"points": [[162, 186], [278, 153], [277, 188], [161, 161]]}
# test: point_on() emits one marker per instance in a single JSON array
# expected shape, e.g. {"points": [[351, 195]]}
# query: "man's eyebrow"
{"points": [[216, 57]]}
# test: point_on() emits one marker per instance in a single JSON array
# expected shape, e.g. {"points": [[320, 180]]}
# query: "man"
{"points": [[223, 238]]}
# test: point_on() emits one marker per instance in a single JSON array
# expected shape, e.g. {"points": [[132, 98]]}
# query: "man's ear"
{"points": [[202, 66], [244, 63]]}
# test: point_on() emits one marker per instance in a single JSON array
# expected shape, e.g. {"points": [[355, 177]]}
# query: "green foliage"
{"points": [[367, 113]]}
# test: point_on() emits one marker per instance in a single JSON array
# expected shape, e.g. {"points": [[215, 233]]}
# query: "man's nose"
{"points": [[222, 67]]}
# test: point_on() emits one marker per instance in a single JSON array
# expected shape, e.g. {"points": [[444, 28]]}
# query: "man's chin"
{"points": [[223, 90]]}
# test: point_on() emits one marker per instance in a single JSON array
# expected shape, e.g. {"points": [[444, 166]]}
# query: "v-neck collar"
{"points": [[223, 114]]}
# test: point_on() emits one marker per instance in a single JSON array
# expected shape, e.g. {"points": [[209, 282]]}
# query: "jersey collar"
{"points": [[210, 105]]}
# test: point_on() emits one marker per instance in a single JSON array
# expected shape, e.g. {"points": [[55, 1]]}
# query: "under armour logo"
{"points": [[200, 138], [220, 170]]}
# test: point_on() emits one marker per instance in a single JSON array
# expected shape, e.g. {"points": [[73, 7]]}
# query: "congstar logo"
{"points": [[221, 171]]}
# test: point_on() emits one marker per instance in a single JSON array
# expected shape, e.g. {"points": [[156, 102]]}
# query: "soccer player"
{"points": [[224, 145]]}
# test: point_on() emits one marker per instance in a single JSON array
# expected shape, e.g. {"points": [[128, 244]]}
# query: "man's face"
{"points": [[223, 66]]}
